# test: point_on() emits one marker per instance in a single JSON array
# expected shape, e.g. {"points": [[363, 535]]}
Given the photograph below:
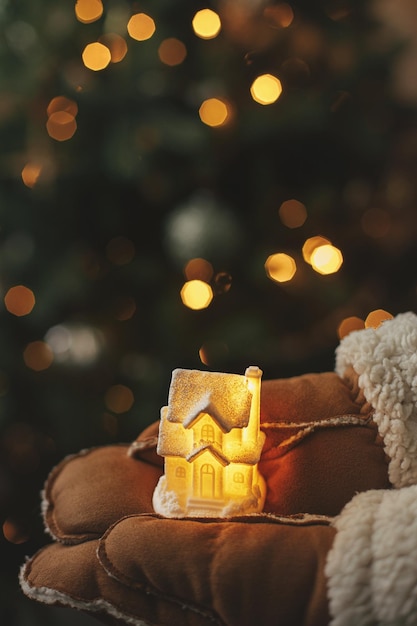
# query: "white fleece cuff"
{"points": [[386, 362], [372, 566]]}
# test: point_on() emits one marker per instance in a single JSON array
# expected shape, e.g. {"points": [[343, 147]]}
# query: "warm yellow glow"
{"points": [[199, 269], [280, 15], [119, 398], [326, 259], [172, 51], [206, 24], [61, 126], [19, 300], [377, 317], [196, 294], [348, 325], [61, 103], [117, 46], [38, 356], [96, 56], [141, 27], [211, 457], [280, 267], [88, 11], [266, 89], [120, 250], [292, 213], [311, 244], [214, 112], [31, 173]]}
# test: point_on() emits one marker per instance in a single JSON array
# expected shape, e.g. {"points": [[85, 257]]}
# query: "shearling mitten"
{"points": [[328, 437]]}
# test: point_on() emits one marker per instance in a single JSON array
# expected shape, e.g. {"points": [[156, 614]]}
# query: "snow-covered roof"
{"points": [[225, 397]]}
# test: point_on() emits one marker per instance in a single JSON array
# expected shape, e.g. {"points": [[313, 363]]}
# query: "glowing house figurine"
{"points": [[210, 437]]}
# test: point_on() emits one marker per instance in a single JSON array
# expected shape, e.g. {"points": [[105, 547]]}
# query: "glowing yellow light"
{"points": [[292, 213], [19, 300], [117, 46], [377, 317], [348, 325], [61, 103], [326, 259], [88, 11], [38, 356], [96, 56], [141, 27], [61, 126], [119, 398], [206, 24], [214, 112], [196, 294], [281, 15], [280, 267], [172, 51], [13, 532], [311, 244], [120, 250], [211, 458], [31, 173], [266, 89], [199, 269]]}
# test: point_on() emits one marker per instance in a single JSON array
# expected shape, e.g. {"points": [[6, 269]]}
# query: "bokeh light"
{"points": [[311, 244], [375, 318], [199, 269], [212, 352], [119, 398], [141, 26], [172, 51], [266, 89], [74, 344], [125, 308], [279, 15], [116, 44], [206, 24], [19, 300], [62, 103], [30, 174], [14, 532], [376, 222], [348, 325], [196, 294], [280, 267], [120, 250], [88, 11], [326, 259], [61, 126], [96, 56], [214, 112], [38, 356], [292, 213]]}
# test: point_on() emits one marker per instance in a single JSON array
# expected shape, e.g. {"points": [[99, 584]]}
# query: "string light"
{"points": [[199, 269], [38, 356], [311, 244], [88, 11], [172, 51], [141, 27], [62, 103], [119, 398], [206, 24], [348, 325], [292, 213], [280, 267], [96, 56], [30, 174], [266, 89], [61, 126], [326, 259], [214, 112], [376, 317], [19, 300], [117, 46], [196, 294]]}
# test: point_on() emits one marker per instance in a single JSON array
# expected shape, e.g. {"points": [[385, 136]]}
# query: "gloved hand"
{"points": [[326, 439]]}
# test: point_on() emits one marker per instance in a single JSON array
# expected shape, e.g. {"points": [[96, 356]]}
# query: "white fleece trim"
{"points": [[46, 595], [371, 567], [386, 361]]}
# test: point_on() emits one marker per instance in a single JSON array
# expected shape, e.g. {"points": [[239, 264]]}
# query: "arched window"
{"points": [[238, 477], [207, 432], [207, 481], [180, 472]]}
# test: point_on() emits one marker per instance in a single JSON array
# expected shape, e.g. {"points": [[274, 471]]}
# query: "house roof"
{"points": [[225, 397]]}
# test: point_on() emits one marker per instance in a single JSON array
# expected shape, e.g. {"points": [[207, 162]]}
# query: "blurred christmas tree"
{"points": [[149, 145]]}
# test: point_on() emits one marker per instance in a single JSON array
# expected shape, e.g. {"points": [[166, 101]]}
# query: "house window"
{"points": [[238, 477], [180, 472], [207, 432]]}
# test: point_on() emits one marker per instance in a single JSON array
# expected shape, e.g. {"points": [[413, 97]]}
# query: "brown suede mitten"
{"points": [[329, 436]]}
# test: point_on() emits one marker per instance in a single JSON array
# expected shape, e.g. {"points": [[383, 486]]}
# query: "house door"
{"points": [[207, 481]]}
